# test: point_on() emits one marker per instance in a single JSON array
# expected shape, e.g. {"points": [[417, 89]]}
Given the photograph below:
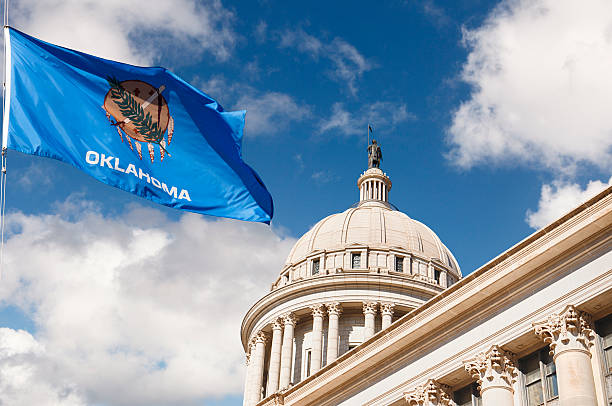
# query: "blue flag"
{"points": [[143, 130]]}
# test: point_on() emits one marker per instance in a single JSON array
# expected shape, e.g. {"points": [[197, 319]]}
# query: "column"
{"points": [[432, 393], [275, 357], [258, 354], [369, 311], [247, 379], [289, 321], [495, 372], [387, 314], [317, 337], [443, 279], [570, 336], [333, 310]]}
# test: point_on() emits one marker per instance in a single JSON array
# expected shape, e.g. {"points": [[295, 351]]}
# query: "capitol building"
{"points": [[371, 308]]}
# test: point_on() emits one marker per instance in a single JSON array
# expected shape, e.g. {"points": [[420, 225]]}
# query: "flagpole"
{"points": [[5, 121]]}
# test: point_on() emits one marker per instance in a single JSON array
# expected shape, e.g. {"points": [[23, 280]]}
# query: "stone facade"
{"points": [[426, 336]]}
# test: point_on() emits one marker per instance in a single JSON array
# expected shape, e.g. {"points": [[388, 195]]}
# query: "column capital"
{"points": [[387, 308], [248, 357], [569, 330], [494, 368], [289, 318], [277, 324], [318, 310], [431, 393], [260, 337], [369, 307], [334, 308]]}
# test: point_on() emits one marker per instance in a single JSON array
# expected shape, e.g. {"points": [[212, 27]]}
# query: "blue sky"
{"points": [[488, 132]]}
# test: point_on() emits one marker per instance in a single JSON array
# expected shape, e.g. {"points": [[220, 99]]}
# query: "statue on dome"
{"points": [[374, 155]]}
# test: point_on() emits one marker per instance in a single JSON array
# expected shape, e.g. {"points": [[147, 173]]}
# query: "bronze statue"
{"points": [[374, 155]]}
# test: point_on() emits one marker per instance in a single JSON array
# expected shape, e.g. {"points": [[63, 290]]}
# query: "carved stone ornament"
{"points": [[277, 324], [432, 393], [387, 308], [317, 310], [493, 368], [289, 318], [370, 307], [334, 308], [260, 337], [248, 357], [569, 330]]}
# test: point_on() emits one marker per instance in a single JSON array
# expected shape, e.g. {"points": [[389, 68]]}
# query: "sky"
{"points": [[493, 117]]}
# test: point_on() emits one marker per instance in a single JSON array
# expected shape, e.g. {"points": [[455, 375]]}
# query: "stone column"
{"points": [[570, 336], [317, 337], [387, 314], [289, 321], [443, 279], [495, 372], [369, 311], [333, 309], [247, 380], [432, 393], [258, 354], [275, 357]]}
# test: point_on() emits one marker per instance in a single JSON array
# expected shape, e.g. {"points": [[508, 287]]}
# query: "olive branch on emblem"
{"points": [[133, 110]]}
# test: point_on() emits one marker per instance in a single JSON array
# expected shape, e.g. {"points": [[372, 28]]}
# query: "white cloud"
{"points": [[541, 87], [558, 198], [133, 310], [348, 63], [383, 116], [268, 113], [130, 31], [25, 378]]}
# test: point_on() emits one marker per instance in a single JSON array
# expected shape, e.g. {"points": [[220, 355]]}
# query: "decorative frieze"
{"points": [[494, 368], [570, 330], [432, 393]]}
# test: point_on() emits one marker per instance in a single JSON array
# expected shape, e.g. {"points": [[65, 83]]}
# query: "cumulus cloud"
{"points": [[541, 87], [25, 378], [268, 112], [130, 31], [558, 198], [130, 310], [383, 115], [348, 63]]}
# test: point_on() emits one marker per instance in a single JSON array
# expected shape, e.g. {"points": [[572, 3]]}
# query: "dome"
{"points": [[385, 239], [373, 225], [358, 270]]}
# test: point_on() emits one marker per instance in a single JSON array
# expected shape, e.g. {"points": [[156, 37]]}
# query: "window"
{"points": [[356, 260], [603, 328], [468, 396], [437, 275], [540, 377], [399, 264], [316, 263]]}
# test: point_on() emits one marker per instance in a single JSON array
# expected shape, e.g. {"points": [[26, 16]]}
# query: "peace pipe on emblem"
{"points": [[146, 103]]}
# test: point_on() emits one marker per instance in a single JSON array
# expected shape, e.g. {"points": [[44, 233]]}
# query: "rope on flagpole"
{"points": [[4, 137]]}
